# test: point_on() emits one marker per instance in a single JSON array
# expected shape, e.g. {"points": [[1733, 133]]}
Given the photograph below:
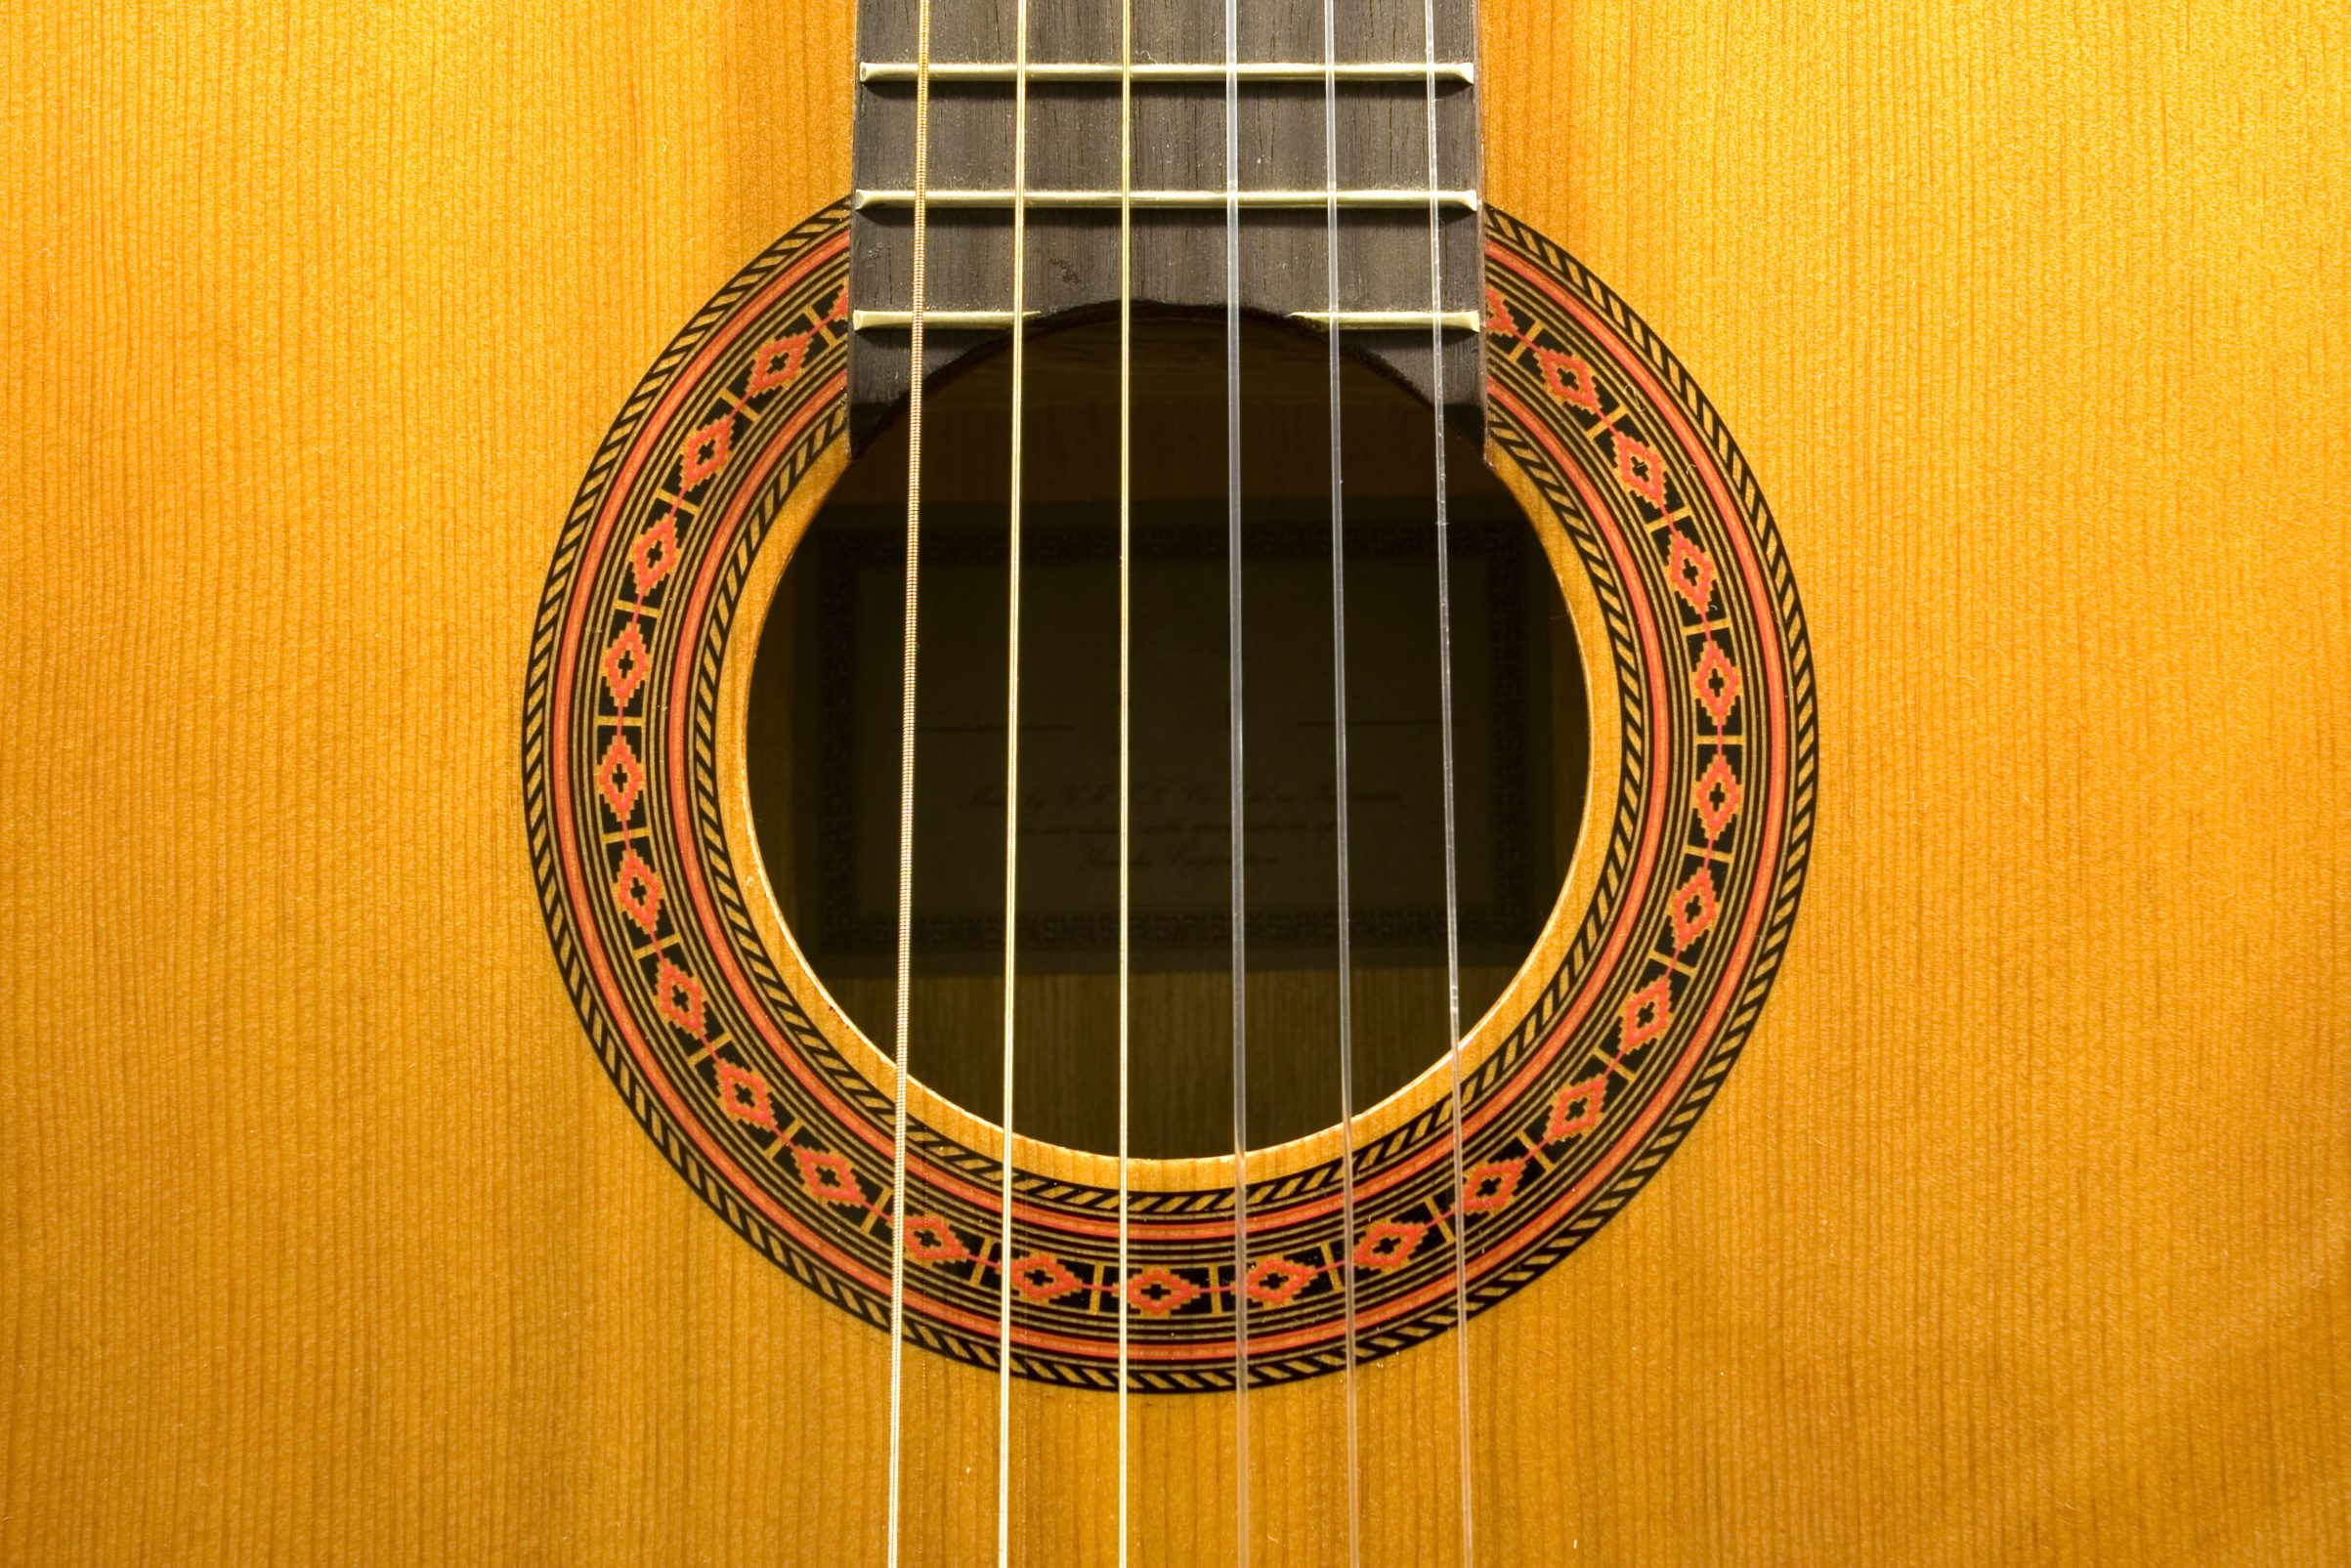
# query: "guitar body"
{"points": [[2015, 1237]]}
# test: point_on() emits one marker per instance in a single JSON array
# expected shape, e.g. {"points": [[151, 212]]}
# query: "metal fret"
{"points": [[1391, 320], [1000, 320], [939, 321], [1449, 73], [1353, 199], [1293, 83]]}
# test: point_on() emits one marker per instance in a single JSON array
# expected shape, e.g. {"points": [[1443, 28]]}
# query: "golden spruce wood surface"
{"points": [[2021, 1235]]}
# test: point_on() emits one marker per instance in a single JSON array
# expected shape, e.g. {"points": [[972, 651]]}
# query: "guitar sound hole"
{"points": [[824, 727]]}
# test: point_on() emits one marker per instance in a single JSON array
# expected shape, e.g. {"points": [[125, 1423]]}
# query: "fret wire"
{"points": [[1391, 320], [1450, 72], [953, 320], [1353, 320], [1360, 198], [994, 320]]}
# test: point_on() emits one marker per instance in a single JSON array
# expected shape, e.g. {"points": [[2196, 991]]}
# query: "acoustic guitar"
{"points": [[1261, 783]]}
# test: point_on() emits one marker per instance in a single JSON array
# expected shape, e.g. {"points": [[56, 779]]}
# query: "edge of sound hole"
{"points": [[1571, 695]]}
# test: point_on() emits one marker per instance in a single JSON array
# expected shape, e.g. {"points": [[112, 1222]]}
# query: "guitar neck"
{"points": [[1381, 81]]}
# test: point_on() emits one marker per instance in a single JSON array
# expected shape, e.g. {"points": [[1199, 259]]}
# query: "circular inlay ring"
{"points": [[1577, 1087]]}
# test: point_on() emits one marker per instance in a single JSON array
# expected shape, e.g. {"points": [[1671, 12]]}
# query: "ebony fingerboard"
{"points": [[1179, 117]]}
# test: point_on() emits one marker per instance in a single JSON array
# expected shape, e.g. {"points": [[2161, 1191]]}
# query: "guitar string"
{"points": [[906, 780], [1232, 661], [1004, 1256], [1444, 702], [907, 761], [1126, 673], [1347, 1014]]}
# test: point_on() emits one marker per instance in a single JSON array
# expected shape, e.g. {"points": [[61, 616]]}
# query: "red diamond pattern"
{"points": [[1647, 1013], [678, 996], [1276, 1281], [1640, 469], [1492, 1187], [1691, 572], [1388, 1244], [1570, 380], [1158, 1292], [706, 452], [621, 780], [931, 1240], [1714, 682], [655, 554], [638, 892], [1590, 1094], [1715, 798], [624, 665], [777, 361], [744, 1095], [1041, 1277], [828, 1176], [1694, 907], [618, 779]]}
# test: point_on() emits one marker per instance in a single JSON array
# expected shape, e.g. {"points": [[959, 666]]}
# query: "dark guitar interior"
{"points": [[825, 713]]}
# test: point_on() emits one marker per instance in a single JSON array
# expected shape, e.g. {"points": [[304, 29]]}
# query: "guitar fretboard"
{"points": [[1181, 104]]}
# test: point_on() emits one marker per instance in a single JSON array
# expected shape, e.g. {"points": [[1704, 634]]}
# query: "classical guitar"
{"points": [[1169, 864]]}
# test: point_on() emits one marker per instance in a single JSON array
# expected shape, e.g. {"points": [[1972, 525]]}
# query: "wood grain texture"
{"points": [[2021, 1235]]}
